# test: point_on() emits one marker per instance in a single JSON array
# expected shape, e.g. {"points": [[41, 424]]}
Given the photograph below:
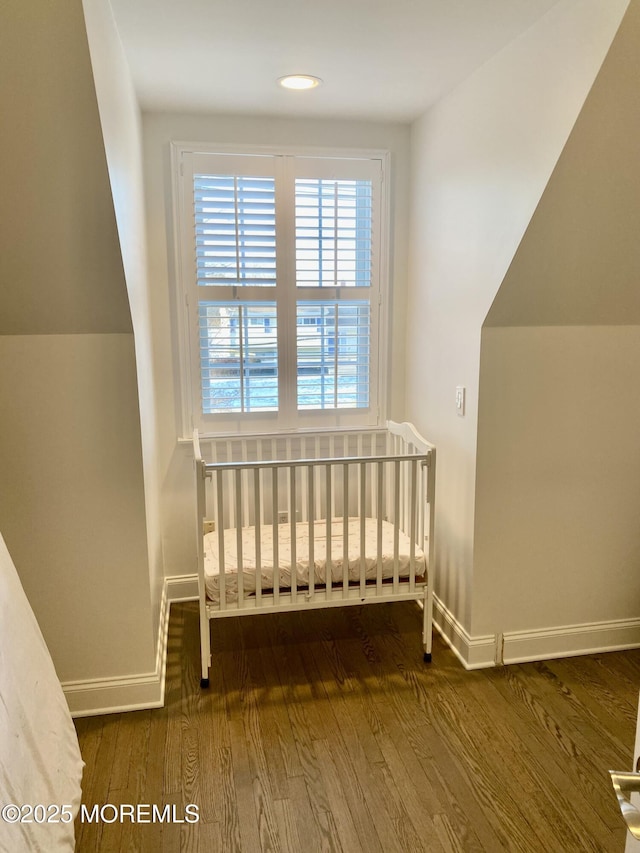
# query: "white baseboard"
{"points": [[479, 652], [181, 588], [472, 652], [130, 693], [571, 640], [146, 690], [113, 695]]}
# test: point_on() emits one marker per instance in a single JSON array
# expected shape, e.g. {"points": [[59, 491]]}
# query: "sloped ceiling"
{"points": [[579, 260], [60, 262]]}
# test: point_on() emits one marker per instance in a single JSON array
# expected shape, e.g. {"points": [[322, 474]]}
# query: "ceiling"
{"points": [[379, 59]]}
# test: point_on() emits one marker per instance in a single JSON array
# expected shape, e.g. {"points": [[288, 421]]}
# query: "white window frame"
{"points": [[185, 302]]}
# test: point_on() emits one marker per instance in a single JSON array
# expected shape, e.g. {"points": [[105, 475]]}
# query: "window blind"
{"points": [[280, 267], [235, 230], [333, 232]]}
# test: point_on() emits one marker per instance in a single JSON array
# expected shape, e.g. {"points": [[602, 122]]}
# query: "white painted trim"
{"points": [[472, 652], [181, 588], [113, 695], [323, 152], [129, 693], [482, 651], [146, 690], [133, 692], [571, 640]]}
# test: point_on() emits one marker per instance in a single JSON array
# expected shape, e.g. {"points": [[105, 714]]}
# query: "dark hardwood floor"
{"points": [[326, 731]]}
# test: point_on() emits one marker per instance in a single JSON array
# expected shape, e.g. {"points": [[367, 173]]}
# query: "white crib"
{"points": [[310, 520]]}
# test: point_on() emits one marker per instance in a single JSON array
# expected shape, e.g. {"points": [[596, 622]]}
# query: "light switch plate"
{"points": [[461, 393]]}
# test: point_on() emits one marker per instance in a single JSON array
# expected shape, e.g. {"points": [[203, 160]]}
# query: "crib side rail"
{"points": [[292, 503], [323, 502], [299, 463]]}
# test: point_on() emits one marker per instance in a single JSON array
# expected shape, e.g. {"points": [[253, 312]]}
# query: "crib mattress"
{"points": [[284, 568]]}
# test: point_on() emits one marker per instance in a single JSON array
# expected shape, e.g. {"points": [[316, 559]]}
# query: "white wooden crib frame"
{"points": [[232, 494]]}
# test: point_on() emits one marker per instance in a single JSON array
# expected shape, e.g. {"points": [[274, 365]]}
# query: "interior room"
{"points": [[502, 322]]}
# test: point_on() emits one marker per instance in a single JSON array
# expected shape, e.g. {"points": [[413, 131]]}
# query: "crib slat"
{"points": [[245, 488], [388, 491], [229, 456], [261, 480], [363, 538], [345, 529], [238, 503], [287, 452], [258, 534], [396, 525], [217, 509], [332, 455], [406, 493], [373, 496], [420, 499], [316, 455], [303, 482], [328, 572], [294, 530], [412, 527], [399, 520], [361, 506], [220, 527], [380, 468], [312, 567], [275, 529]]}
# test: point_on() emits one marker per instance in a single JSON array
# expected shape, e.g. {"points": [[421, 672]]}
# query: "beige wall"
{"points": [[480, 161], [159, 130], [72, 500], [558, 494], [58, 229], [579, 262], [72, 504]]}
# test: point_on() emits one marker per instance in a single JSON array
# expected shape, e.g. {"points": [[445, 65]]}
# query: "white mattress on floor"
{"points": [[212, 568], [40, 761]]}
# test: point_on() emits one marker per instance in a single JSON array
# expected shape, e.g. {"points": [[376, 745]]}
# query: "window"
{"points": [[280, 275]]}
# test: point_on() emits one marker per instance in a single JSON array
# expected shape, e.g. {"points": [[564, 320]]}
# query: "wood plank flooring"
{"points": [[325, 731]]}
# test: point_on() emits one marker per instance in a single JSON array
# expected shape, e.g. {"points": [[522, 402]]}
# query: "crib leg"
{"points": [[205, 648], [427, 623]]}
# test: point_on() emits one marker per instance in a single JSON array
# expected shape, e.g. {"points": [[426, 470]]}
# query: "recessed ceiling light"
{"points": [[299, 81]]}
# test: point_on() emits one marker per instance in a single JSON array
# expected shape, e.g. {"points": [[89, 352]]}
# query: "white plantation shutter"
{"points": [[333, 233], [235, 230], [281, 274], [334, 251]]}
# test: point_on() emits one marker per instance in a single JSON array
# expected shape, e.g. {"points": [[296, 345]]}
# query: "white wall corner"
{"points": [[129, 693], [512, 647], [472, 652], [181, 588]]}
